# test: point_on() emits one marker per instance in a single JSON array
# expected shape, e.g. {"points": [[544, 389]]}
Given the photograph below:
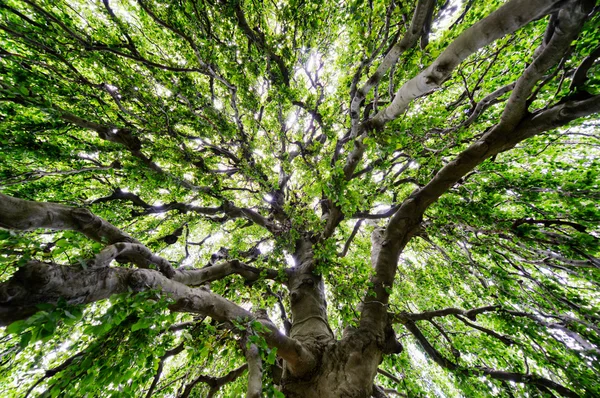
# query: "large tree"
{"points": [[315, 199]]}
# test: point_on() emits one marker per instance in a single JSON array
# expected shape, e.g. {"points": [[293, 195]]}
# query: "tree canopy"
{"points": [[299, 198]]}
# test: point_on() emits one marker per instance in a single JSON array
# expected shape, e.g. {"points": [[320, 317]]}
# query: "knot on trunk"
{"points": [[83, 216], [390, 344], [34, 275], [140, 280], [9, 292]]}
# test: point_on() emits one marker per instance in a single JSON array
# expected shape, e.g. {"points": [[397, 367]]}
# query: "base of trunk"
{"points": [[347, 370]]}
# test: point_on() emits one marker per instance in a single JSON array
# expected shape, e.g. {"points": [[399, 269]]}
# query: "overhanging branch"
{"points": [[38, 282], [437, 357], [25, 215]]}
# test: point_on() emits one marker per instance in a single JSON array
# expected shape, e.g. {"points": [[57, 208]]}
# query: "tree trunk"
{"points": [[346, 367]]}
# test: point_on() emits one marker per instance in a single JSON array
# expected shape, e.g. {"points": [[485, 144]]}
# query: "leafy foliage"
{"points": [[219, 130]]}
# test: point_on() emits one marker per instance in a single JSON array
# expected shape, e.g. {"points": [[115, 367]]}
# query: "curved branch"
{"points": [[404, 223], [197, 277], [215, 383], [38, 282], [257, 38], [25, 215], [37, 174], [138, 254], [428, 315], [422, 10], [51, 372], [437, 357], [547, 223], [172, 352], [500, 23], [502, 137], [231, 211], [580, 75], [350, 238]]}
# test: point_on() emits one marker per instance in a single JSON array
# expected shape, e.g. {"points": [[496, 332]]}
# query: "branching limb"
{"points": [[422, 10], [25, 215], [231, 211], [287, 325], [437, 357], [172, 352], [521, 221], [498, 24], [197, 277], [404, 223], [138, 254], [428, 315], [125, 137], [485, 103], [37, 283], [215, 383], [51, 372], [37, 174], [568, 24], [506, 340], [257, 38]]}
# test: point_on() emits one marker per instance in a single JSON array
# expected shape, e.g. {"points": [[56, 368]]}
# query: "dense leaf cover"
{"points": [[223, 131]]}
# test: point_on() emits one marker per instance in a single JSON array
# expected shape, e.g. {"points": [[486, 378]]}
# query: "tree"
{"points": [[299, 198]]}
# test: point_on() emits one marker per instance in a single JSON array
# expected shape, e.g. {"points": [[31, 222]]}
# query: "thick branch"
{"points": [[138, 254], [404, 223], [422, 10], [25, 215], [37, 283], [498, 24], [197, 277], [504, 136]]}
